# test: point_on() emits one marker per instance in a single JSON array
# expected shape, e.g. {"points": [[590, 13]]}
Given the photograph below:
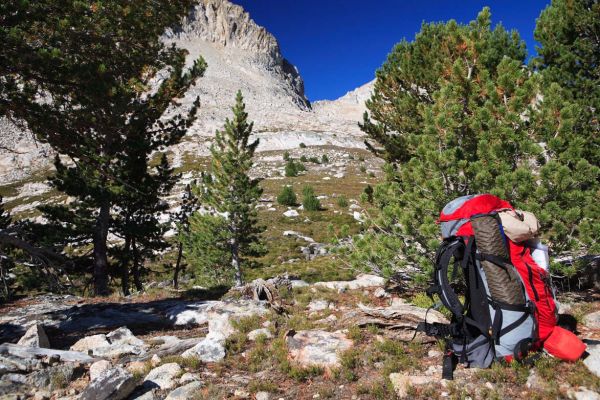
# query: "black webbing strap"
{"points": [[499, 261], [442, 285]]}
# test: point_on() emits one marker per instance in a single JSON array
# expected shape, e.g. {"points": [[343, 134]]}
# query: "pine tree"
{"points": [[453, 113], [94, 65], [224, 236], [6, 262], [568, 60], [189, 205]]}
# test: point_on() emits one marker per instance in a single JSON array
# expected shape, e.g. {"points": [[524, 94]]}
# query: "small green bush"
{"points": [[292, 168], [368, 192], [286, 156], [324, 159], [342, 201], [302, 146], [314, 160], [303, 159], [287, 197], [309, 200], [363, 169]]}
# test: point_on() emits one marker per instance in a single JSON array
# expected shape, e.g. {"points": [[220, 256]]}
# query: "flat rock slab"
{"points": [[362, 281], [28, 353], [318, 348], [209, 349]]}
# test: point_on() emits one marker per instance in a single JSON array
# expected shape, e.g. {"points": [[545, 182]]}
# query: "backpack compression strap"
{"points": [[449, 249]]}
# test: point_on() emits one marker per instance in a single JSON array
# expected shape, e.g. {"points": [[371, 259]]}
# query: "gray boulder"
{"points": [[185, 392], [163, 377], [592, 362], [114, 384], [35, 337], [210, 349]]}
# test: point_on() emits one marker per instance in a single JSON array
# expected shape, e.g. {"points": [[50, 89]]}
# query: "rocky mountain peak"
{"points": [[228, 25]]}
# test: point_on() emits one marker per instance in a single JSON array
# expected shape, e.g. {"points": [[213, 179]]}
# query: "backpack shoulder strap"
{"points": [[450, 249]]}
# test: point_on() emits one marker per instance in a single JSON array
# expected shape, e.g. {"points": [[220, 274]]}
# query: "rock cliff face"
{"points": [[241, 55]]}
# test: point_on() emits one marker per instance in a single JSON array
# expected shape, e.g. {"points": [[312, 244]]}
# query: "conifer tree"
{"points": [[189, 205], [453, 113], [568, 60], [94, 65], [229, 228]]}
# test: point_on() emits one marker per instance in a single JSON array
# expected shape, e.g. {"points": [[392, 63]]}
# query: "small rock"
{"points": [[188, 377], [318, 305], [185, 392], [88, 343], [113, 384], [242, 394], [291, 213], [296, 283], [155, 360], [402, 382], [35, 337], [262, 396], [97, 368], [253, 335], [163, 377], [41, 395], [490, 385], [136, 366], [535, 382], [208, 350], [592, 320], [380, 293], [434, 353]]}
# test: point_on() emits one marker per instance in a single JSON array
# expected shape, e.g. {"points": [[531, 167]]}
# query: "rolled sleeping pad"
{"points": [[504, 282]]}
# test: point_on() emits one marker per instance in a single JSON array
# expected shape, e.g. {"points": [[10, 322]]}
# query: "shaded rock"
{"points": [[209, 349], [592, 320], [35, 337], [315, 347], [361, 281], [592, 362], [189, 314], [97, 368], [114, 384], [253, 335], [185, 392], [402, 383], [163, 377], [15, 358], [145, 394]]}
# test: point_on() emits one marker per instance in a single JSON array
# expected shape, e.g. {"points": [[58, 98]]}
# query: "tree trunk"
{"points": [[101, 250], [125, 267], [235, 263], [177, 266], [137, 279]]}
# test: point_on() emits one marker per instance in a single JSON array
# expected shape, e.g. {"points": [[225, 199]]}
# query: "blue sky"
{"points": [[338, 44]]}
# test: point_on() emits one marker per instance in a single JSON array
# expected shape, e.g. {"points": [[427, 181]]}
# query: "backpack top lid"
{"points": [[455, 216]]}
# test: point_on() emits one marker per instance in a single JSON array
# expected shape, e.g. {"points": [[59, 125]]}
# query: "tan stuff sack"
{"points": [[519, 225]]}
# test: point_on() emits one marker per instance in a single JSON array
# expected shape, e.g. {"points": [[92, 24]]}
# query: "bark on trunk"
{"points": [[137, 279], [100, 251], [125, 268], [177, 267], [235, 263]]}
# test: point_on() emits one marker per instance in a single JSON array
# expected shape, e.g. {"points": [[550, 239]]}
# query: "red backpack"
{"points": [[509, 306]]}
